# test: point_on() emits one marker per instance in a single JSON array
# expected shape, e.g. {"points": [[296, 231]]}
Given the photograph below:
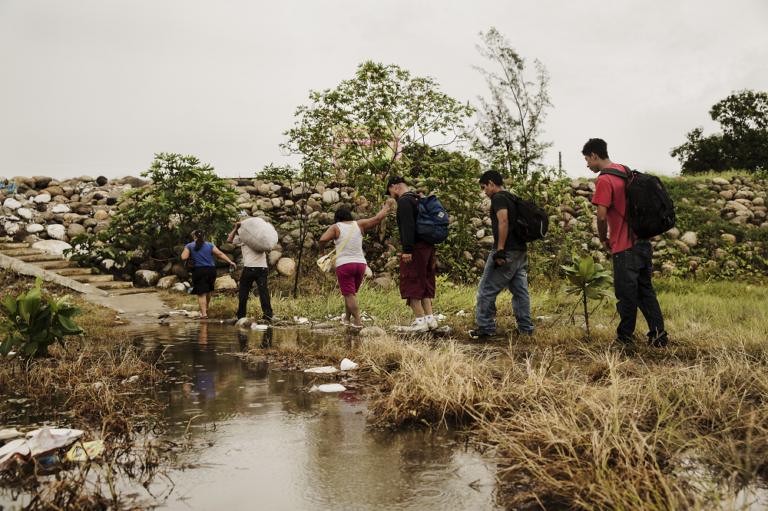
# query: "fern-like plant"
{"points": [[589, 280]]}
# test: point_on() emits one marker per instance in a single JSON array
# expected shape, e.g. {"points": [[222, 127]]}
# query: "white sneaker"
{"points": [[414, 328], [432, 325]]}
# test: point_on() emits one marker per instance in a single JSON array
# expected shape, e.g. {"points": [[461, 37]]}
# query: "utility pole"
{"points": [[560, 161]]}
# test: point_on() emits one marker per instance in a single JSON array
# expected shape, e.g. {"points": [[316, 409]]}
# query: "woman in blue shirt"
{"points": [[204, 272]]}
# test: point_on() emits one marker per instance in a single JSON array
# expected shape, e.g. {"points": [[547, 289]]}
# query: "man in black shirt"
{"points": [[417, 262], [507, 264]]}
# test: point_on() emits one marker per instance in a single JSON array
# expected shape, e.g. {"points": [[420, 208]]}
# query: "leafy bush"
{"points": [[32, 329], [588, 281], [185, 196]]}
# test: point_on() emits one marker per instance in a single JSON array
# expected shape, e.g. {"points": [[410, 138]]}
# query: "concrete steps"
{"points": [[68, 272], [94, 277], [68, 269]]}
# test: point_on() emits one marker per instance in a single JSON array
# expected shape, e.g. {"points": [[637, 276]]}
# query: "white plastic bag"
{"points": [[257, 234]]}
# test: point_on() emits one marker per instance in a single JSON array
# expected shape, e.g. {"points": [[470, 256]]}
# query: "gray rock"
{"points": [[107, 264], [383, 282], [245, 322], [286, 266], [34, 228], [330, 197], [225, 282], [75, 230], [179, 288], [167, 282], [146, 278], [731, 264], [690, 239], [274, 257], [55, 231], [12, 204], [673, 233]]}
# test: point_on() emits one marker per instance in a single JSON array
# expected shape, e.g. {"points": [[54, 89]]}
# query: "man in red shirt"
{"points": [[632, 257]]}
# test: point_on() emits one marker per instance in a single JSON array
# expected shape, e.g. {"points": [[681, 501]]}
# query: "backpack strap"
{"points": [[627, 176]]}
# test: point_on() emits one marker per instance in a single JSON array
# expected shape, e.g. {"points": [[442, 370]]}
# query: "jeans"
{"points": [[513, 274], [632, 270], [249, 276]]}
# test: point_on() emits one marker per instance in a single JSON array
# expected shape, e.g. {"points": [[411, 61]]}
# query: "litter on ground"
{"points": [[332, 387], [348, 365], [321, 370]]}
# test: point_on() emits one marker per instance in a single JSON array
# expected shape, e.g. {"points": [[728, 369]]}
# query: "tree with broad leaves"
{"points": [[184, 196], [743, 143], [364, 128], [510, 123]]}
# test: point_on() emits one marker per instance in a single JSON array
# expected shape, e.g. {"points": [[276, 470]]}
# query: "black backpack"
{"points": [[650, 211], [532, 222]]}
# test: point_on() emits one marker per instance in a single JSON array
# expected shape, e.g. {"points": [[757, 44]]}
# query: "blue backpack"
{"points": [[431, 220]]}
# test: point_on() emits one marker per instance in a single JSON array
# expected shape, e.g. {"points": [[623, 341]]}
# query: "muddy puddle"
{"points": [[260, 441]]}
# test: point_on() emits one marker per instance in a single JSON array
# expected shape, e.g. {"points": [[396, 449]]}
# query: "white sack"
{"points": [[257, 234]]}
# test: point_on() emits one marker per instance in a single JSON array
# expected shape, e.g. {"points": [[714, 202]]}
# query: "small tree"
{"points": [[31, 329], [183, 197], [588, 281], [367, 128], [305, 180], [511, 122], [743, 143]]}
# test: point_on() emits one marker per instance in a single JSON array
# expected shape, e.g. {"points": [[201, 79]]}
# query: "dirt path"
{"points": [[136, 308]]}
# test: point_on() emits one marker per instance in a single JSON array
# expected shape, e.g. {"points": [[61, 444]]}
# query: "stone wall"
{"points": [[43, 208]]}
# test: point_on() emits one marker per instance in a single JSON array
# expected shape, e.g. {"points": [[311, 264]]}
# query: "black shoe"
{"points": [[479, 334], [657, 341], [619, 345]]}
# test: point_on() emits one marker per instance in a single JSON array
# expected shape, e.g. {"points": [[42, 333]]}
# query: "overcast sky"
{"points": [[97, 87]]}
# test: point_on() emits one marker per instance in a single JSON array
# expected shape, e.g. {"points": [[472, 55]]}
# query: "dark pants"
{"points": [[632, 270], [249, 276]]}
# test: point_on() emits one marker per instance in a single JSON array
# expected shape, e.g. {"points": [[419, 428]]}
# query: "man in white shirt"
{"points": [[255, 270]]}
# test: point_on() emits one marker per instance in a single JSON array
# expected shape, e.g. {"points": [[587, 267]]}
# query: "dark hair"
{"points": [[342, 215], [199, 239], [492, 176], [596, 146]]}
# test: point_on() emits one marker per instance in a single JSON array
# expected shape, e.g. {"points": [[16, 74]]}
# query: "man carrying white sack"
{"points": [[255, 270]]}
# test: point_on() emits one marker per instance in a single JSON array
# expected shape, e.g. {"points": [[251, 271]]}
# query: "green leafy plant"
{"points": [[31, 329], [184, 196], [588, 281]]}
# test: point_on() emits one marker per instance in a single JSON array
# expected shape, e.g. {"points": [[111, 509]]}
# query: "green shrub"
{"points": [[32, 329]]}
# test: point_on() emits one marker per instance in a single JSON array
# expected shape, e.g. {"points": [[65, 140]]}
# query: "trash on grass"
{"points": [[332, 387], [348, 365], [321, 370], [9, 434], [256, 326], [542, 318], [92, 450], [440, 317], [9, 451], [300, 321], [462, 313]]}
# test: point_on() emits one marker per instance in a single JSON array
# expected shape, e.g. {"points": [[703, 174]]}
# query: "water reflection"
{"points": [[277, 446]]}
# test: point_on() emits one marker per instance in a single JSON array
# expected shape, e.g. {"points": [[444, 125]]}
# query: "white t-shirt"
{"points": [[251, 258], [353, 250]]}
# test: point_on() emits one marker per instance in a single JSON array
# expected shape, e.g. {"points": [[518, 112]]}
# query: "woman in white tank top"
{"points": [[350, 258]]}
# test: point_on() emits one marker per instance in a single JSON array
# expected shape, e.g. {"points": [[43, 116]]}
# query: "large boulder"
{"points": [[34, 228], [53, 191], [720, 181], [25, 213], [101, 215], [167, 282], [60, 209], [146, 278], [42, 181], [56, 231], [690, 239], [52, 246], [286, 266], [225, 282], [274, 257], [139, 256], [383, 282], [330, 197], [180, 271], [42, 198]]}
